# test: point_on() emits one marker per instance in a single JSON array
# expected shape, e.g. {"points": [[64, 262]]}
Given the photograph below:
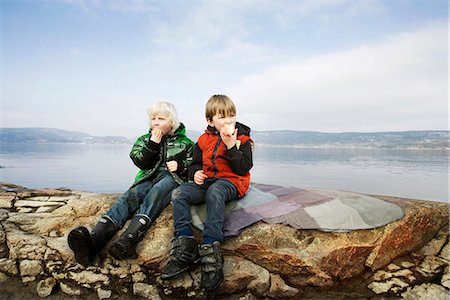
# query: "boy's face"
{"points": [[218, 121], [161, 122]]}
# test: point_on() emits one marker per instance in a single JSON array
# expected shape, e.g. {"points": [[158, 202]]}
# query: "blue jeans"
{"points": [[148, 198], [215, 192]]}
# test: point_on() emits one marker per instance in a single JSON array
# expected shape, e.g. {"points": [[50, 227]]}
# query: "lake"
{"points": [[418, 174]]}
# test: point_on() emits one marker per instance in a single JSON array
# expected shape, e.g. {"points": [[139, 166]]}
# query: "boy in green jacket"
{"points": [[163, 156]]}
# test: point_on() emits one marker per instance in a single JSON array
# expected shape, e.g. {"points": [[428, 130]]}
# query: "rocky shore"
{"points": [[406, 259]]}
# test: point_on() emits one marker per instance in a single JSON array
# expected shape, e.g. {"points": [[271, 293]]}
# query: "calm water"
{"points": [[420, 174]]}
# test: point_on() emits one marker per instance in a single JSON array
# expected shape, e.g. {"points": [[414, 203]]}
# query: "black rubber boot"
{"points": [[183, 255], [212, 266], [86, 245], [124, 246]]}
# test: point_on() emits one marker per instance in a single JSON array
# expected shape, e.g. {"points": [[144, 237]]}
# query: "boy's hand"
{"points": [[156, 135], [228, 139], [172, 166], [199, 177]]}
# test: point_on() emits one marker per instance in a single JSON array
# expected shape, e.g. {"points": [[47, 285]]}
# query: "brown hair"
{"points": [[219, 105]]}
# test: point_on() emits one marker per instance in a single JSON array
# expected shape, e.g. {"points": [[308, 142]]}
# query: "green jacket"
{"points": [[149, 156]]}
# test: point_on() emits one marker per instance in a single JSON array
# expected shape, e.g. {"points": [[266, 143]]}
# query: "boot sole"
{"points": [[118, 252], [189, 267], [79, 241], [213, 288]]}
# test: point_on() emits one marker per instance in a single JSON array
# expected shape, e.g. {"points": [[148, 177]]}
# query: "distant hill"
{"points": [[279, 138], [401, 139], [52, 135]]}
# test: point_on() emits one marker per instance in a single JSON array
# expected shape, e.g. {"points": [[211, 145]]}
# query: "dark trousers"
{"points": [[148, 198], [215, 192]]}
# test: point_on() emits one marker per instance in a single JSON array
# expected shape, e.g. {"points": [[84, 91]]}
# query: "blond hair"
{"points": [[166, 109], [219, 105]]}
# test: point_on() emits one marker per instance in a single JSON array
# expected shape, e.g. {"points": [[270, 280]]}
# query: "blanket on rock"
{"points": [[327, 210]]}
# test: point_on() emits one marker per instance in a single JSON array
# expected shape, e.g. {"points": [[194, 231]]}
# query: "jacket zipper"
{"points": [[214, 154]]}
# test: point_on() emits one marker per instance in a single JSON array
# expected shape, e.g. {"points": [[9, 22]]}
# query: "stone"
{"points": [[391, 285], [26, 279], [138, 277], [3, 277], [30, 267], [45, 209], [382, 275], [445, 252], [8, 266], [426, 291], [407, 264], [279, 288], [45, 287], [445, 280], [23, 203], [393, 267], [434, 246], [6, 201], [39, 198], [70, 289], [432, 265], [241, 275], [24, 210], [146, 291], [89, 277], [103, 294]]}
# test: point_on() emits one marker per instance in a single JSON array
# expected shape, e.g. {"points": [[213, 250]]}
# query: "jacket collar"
{"points": [[242, 129]]}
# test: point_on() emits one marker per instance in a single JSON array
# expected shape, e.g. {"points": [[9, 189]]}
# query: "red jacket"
{"points": [[212, 156]]}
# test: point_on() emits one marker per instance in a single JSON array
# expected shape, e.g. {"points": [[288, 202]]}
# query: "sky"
{"points": [[332, 66]]}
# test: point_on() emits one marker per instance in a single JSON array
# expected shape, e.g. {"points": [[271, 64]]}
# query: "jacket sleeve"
{"points": [[184, 160], [197, 162], [241, 160], [145, 153]]}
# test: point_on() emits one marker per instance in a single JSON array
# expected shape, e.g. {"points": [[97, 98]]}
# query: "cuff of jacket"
{"points": [[192, 171], [153, 145], [180, 166]]}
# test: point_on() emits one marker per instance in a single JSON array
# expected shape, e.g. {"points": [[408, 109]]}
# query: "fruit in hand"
{"points": [[229, 128]]}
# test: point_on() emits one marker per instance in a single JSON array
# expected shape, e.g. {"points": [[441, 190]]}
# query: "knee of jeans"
{"points": [[175, 194], [217, 190]]}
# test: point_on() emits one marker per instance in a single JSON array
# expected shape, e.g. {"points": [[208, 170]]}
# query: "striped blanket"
{"points": [[327, 210]]}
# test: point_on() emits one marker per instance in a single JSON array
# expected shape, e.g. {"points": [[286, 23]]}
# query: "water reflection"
{"points": [[421, 174]]}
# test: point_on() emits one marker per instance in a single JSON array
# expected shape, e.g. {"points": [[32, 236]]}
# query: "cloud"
{"points": [[135, 6], [401, 82]]}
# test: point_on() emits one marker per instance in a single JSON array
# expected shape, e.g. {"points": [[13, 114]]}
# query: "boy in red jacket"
{"points": [[220, 171]]}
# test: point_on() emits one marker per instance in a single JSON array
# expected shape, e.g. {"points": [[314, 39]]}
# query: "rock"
{"points": [[241, 275], [426, 291], [3, 278], [6, 201], [279, 289], [8, 266], [445, 253], [146, 291], [69, 289], [432, 265], [45, 287], [88, 277], [393, 267], [265, 260], [30, 267], [391, 285], [445, 281], [23, 203], [103, 294], [434, 246]]}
